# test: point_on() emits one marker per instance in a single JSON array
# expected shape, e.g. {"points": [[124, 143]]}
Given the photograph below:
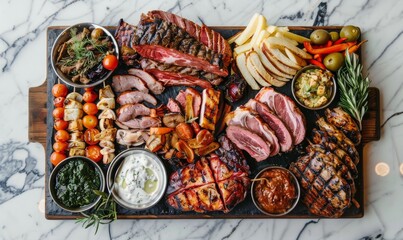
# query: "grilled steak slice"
{"points": [[210, 108], [130, 111], [326, 192], [193, 175], [142, 123], [286, 110], [231, 155], [176, 79], [200, 199], [121, 83], [197, 100], [173, 106], [283, 135], [244, 117], [131, 97], [222, 171], [148, 64], [345, 123], [172, 56], [249, 141], [233, 191], [152, 84]]}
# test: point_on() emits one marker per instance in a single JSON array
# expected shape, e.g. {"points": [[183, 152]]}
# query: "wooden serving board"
{"points": [[41, 130]]}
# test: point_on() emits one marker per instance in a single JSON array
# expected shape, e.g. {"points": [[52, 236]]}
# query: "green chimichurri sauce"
{"points": [[75, 183]]}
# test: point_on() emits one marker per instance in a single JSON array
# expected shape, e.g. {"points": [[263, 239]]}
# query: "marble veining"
{"points": [[22, 62]]}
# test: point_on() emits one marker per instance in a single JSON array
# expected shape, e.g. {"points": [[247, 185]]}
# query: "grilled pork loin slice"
{"points": [[286, 110], [130, 111], [197, 100], [131, 97], [244, 117], [131, 137], [141, 123], [210, 108], [173, 106], [152, 84], [121, 83], [176, 79], [345, 123], [231, 156], [249, 141], [283, 135]]}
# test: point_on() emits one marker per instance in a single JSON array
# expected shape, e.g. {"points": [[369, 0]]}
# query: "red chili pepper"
{"points": [[317, 63], [354, 48], [340, 40], [329, 43], [318, 57], [327, 50]]}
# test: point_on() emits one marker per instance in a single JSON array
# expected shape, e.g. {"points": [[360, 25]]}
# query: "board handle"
{"points": [[37, 128], [372, 121]]}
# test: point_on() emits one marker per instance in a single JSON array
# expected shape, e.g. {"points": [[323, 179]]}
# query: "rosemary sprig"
{"points": [[103, 213], [353, 87]]}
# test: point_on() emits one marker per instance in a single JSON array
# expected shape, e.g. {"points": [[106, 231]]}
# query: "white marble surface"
{"points": [[22, 62]]}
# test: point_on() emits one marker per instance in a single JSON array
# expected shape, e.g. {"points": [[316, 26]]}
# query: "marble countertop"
{"points": [[23, 27]]}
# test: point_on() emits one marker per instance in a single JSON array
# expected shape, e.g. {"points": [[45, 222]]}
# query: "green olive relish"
{"points": [[314, 87], [75, 183]]}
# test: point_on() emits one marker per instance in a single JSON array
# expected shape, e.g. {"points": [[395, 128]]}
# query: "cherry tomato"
{"points": [[59, 90], [58, 113], [110, 62], [90, 96], [59, 101], [89, 136], [60, 124], [60, 146], [94, 153], [62, 136], [56, 158], [89, 89], [90, 108], [90, 121]]}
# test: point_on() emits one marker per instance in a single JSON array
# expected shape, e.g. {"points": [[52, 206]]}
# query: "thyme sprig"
{"points": [[353, 87]]}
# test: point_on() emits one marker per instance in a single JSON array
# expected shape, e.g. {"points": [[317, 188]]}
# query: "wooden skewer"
{"points": [[261, 179]]}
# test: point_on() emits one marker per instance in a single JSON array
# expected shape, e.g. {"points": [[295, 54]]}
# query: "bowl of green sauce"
{"points": [[73, 181]]}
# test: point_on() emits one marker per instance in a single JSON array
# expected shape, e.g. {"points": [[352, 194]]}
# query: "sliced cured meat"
{"points": [[244, 117], [249, 141], [130, 111], [173, 106], [121, 83], [283, 135], [142, 123], [131, 97], [286, 110], [173, 56], [176, 79], [148, 64], [152, 84]]}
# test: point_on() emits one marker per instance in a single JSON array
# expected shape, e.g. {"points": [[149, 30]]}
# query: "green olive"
{"points": [[320, 36], [334, 36], [96, 33], [352, 33], [334, 61]]}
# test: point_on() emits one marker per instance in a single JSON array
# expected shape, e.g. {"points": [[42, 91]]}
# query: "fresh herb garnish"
{"points": [[353, 87], [103, 213]]}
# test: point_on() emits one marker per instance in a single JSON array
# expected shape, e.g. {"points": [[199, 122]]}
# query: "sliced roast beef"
{"points": [[173, 106], [121, 83], [176, 79], [131, 97], [142, 123], [244, 117], [130, 111], [152, 84], [283, 135], [249, 141], [286, 110], [173, 56], [148, 64]]}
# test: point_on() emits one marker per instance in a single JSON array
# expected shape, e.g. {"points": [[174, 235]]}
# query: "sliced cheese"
{"points": [[249, 30], [241, 63]]}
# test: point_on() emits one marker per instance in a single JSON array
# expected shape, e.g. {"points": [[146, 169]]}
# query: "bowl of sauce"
{"points": [[137, 179], [73, 181], [313, 87], [275, 191]]}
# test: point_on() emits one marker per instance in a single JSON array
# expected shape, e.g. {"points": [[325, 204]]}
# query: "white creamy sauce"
{"points": [[137, 179]]}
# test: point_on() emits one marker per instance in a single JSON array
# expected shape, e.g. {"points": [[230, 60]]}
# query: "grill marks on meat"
{"points": [[345, 123], [286, 110], [131, 97], [197, 100], [211, 184]]}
